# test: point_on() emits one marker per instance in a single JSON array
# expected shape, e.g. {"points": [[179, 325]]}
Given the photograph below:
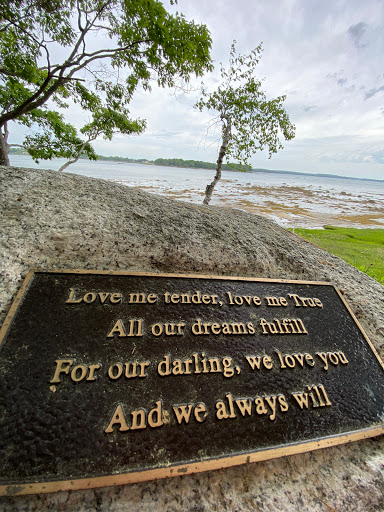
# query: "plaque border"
{"points": [[193, 467]]}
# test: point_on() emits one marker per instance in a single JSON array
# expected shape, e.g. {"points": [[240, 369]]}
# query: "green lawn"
{"points": [[363, 248]]}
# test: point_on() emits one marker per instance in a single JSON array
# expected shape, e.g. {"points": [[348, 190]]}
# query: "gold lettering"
{"points": [[183, 413], [327, 402], [103, 296], [285, 326], [152, 298], [215, 366], [197, 298], [283, 403], [71, 299], [260, 406], [119, 329], [309, 359], [255, 362], [200, 412], [118, 418], [271, 400], [295, 297], [244, 405], [187, 363], [323, 357], [130, 370], [135, 329], [236, 328], [75, 376], [163, 368], [142, 368], [61, 369], [305, 301], [276, 301], [137, 298], [170, 329], [177, 368], [251, 328], [196, 327], [226, 329], [343, 359], [157, 413], [196, 365], [111, 371], [232, 414], [239, 328], [221, 411], [239, 300], [228, 369], [89, 297], [138, 420], [92, 369], [301, 399]]}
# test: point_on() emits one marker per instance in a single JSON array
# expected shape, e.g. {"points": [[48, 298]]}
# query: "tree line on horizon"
{"points": [[167, 162]]}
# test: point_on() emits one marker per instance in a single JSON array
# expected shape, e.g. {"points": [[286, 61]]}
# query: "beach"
{"points": [[291, 200]]}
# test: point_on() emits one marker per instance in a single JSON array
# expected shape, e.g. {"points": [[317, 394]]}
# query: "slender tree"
{"points": [[94, 53], [249, 122]]}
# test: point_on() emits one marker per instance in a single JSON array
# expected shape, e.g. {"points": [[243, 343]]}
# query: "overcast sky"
{"points": [[326, 56]]}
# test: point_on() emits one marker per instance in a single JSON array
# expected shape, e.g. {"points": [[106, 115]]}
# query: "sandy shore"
{"points": [[292, 206]]}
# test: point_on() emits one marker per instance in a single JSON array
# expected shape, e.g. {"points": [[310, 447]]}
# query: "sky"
{"points": [[326, 57]]}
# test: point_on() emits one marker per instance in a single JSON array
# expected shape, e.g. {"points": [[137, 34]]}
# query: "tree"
{"points": [[249, 122], [107, 49]]}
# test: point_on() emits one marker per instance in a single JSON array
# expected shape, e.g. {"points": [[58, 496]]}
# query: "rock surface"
{"points": [[51, 220]]}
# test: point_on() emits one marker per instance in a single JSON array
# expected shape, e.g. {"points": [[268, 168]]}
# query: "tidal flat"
{"points": [[292, 206], [292, 200]]}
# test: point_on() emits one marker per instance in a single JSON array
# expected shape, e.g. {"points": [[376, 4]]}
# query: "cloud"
{"points": [[166, 133], [358, 34], [325, 56], [358, 153], [372, 92], [342, 81]]}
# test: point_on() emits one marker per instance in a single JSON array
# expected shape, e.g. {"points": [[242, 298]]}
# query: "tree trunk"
{"points": [[67, 164], [75, 159], [4, 148], [222, 152]]}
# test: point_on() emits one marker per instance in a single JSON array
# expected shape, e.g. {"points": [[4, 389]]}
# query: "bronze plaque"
{"points": [[110, 378]]}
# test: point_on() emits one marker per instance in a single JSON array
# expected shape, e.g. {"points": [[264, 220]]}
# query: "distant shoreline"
{"points": [[206, 166], [317, 175]]}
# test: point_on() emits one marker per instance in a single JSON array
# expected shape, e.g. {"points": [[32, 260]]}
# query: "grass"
{"points": [[362, 248]]}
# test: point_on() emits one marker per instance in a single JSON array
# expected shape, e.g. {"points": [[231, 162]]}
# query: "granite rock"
{"points": [[54, 220]]}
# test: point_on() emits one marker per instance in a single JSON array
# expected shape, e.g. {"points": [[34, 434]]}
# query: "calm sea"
{"points": [[291, 200]]}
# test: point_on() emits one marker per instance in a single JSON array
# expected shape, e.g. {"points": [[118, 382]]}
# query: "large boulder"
{"points": [[54, 220]]}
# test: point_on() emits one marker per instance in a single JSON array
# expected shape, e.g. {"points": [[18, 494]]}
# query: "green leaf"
{"points": [[138, 42]]}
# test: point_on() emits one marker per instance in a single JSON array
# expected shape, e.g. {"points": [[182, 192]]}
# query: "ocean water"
{"points": [[291, 200]]}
